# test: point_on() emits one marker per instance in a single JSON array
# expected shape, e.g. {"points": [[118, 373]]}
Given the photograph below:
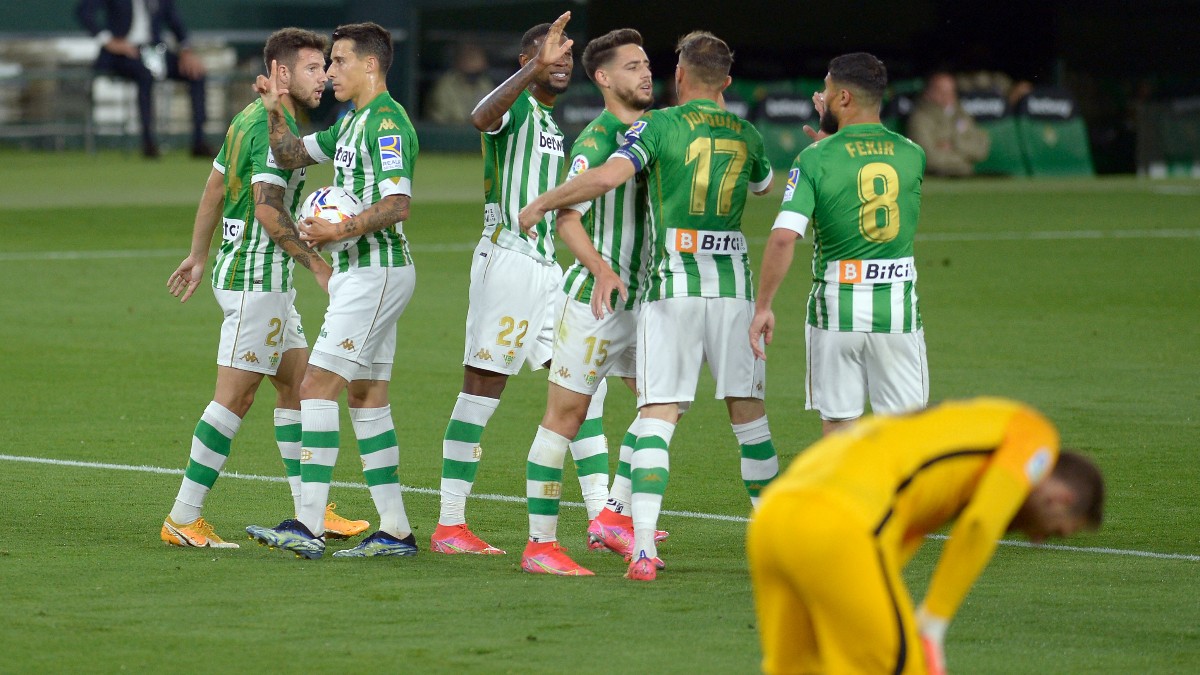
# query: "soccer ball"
{"points": [[335, 205]]}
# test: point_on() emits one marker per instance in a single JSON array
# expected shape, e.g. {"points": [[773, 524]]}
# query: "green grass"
{"points": [[1065, 294]]}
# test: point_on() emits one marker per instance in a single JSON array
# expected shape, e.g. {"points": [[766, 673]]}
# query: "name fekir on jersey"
{"points": [[248, 259], [374, 154], [861, 190], [521, 160], [700, 160], [616, 220]]}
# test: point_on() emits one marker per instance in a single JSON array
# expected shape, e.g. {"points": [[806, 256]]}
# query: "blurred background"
{"points": [[1059, 88]]}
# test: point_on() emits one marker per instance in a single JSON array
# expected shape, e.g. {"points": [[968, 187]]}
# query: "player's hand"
{"points": [[818, 99], [530, 216], [186, 278], [602, 292], [762, 331], [267, 87], [316, 232], [932, 630], [553, 48]]}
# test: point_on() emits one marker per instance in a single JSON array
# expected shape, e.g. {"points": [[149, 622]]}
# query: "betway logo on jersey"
{"points": [[882, 271], [705, 242], [343, 157], [549, 144]]}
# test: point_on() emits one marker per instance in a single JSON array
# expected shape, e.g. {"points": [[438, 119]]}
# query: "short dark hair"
{"points": [[285, 44], [1085, 480], [599, 51], [707, 55], [370, 39], [863, 72]]}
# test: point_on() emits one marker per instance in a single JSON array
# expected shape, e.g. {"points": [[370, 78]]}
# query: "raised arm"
{"points": [[186, 278], [288, 149], [489, 112], [272, 214]]}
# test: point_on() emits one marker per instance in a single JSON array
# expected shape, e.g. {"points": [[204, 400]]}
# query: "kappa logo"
{"points": [[388, 125], [552, 490], [590, 142], [347, 344], [391, 157], [385, 109], [250, 357], [563, 373], [306, 455], [477, 452], [652, 477], [483, 355], [363, 461]]}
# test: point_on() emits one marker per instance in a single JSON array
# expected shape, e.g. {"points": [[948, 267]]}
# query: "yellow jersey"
{"points": [[907, 476]]}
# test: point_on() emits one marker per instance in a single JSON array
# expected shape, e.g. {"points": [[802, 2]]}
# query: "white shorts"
{"points": [[358, 339], [844, 368], [586, 349], [677, 335], [258, 328], [514, 301]]}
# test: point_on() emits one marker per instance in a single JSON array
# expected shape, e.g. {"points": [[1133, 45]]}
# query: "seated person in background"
{"points": [[130, 38], [953, 143], [456, 93]]}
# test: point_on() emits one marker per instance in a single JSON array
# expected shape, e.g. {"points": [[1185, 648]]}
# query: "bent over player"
{"points": [[832, 534]]}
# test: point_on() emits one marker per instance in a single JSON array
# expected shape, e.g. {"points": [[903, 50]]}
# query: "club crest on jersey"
{"points": [[550, 144], [344, 157], [578, 166], [590, 378], [790, 189], [508, 358], [390, 156]]}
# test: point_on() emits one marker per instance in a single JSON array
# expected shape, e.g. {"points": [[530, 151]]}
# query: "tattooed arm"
{"points": [[384, 213], [288, 149], [271, 213], [488, 114]]}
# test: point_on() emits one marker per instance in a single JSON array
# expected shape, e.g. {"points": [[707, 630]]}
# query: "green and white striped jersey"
{"points": [[521, 160], [861, 189], [374, 153], [248, 259], [616, 220], [700, 160]]}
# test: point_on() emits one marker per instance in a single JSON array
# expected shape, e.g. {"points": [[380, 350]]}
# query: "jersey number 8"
{"points": [[878, 190]]}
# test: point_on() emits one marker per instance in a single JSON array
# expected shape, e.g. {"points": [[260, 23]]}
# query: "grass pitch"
{"points": [[1081, 297]]}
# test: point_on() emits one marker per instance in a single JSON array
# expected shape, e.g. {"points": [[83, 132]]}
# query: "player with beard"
{"points": [[253, 199], [516, 283], [860, 187], [595, 336]]}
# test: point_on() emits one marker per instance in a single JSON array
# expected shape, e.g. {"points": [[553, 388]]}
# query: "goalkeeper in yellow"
{"points": [[831, 535]]}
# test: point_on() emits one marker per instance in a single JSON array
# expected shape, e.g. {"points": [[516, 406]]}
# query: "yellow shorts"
{"points": [[829, 598]]}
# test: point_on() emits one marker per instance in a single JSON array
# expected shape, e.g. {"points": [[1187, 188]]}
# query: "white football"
{"points": [[334, 205]]}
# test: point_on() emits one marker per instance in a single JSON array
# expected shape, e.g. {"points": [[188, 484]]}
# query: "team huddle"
{"points": [[651, 208]]}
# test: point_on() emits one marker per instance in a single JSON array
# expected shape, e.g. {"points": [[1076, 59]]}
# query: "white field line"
{"points": [[1049, 235], [511, 499]]}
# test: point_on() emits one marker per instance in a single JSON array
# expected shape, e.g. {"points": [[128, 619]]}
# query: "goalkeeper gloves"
{"points": [[932, 630]]}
